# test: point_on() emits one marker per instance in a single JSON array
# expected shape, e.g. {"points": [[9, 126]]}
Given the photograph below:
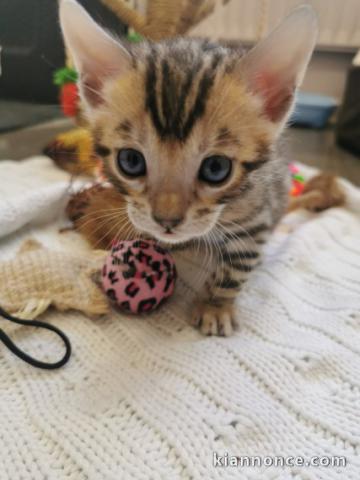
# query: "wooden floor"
{"points": [[313, 147]]}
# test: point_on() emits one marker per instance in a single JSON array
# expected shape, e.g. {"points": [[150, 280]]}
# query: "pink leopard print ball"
{"points": [[138, 275]]}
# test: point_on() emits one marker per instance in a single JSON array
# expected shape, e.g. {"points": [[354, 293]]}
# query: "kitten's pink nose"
{"points": [[168, 222]]}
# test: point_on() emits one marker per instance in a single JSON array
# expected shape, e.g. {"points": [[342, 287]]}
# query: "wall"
{"points": [[327, 73], [249, 20]]}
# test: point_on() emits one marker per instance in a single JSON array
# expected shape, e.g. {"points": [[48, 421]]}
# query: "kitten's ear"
{"points": [[96, 55], [276, 66]]}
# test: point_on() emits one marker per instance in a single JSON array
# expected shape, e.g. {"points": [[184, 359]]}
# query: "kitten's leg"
{"points": [[216, 313]]}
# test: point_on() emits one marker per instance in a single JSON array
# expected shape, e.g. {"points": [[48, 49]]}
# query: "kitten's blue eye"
{"points": [[215, 169], [131, 162]]}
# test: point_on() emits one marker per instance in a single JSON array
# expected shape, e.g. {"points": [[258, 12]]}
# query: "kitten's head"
{"points": [[180, 123]]}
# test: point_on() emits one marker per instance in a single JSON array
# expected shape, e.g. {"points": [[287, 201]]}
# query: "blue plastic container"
{"points": [[313, 110]]}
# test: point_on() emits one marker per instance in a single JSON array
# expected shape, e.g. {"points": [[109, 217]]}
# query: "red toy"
{"points": [[66, 79], [297, 181], [138, 275]]}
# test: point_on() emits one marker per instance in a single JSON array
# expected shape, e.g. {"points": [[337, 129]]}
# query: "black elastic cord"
{"points": [[24, 356]]}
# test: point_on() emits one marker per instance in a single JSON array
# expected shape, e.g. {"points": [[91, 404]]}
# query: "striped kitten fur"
{"points": [[187, 130]]}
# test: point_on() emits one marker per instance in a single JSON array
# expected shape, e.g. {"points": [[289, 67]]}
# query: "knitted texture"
{"points": [[31, 191], [151, 398]]}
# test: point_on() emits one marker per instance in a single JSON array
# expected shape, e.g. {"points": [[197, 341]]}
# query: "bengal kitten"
{"points": [[187, 129]]}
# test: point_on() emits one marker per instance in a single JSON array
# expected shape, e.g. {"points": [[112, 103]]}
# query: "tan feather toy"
{"points": [[164, 18]]}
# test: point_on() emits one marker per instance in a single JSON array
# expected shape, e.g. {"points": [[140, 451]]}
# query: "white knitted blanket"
{"points": [[151, 398]]}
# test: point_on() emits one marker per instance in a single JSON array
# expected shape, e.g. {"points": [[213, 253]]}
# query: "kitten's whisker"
{"points": [[103, 219], [206, 260], [223, 272], [229, 257], [98, 93], [129, 233], [108, 233], [105, 211], [211, 253], [220, 252], [108, 209], [211, 240], [100, 226], [201, 271], [236, 237], [93, 218], [243, 246], [127, 226], [95, 215]]}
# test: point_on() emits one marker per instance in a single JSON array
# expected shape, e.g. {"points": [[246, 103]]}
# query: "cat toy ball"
{"points": [[138, 275]]}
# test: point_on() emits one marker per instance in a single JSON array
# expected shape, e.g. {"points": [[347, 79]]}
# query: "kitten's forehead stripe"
{"points": [[125, 126], [168, 95], [125, 130], [151, 100], [178, 84], [198, 109], [225, 136]]}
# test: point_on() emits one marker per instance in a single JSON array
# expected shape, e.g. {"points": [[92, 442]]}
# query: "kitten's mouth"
{"points": [[171, 237]]}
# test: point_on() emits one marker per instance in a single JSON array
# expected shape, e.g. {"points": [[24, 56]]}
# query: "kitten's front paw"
{"points": [[214, 320]]}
